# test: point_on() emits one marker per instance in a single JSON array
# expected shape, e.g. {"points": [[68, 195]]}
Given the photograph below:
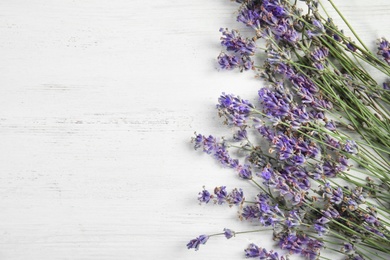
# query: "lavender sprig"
{"points": [[322, 118]]}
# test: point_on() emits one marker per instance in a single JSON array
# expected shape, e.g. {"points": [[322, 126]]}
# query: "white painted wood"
{"points": [[98, 101]]}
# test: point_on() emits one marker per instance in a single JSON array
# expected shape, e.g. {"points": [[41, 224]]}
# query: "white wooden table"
{"points": [[98, 102]]}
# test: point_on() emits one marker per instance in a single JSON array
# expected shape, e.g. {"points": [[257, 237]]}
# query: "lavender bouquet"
{"points": [[316, 146]]}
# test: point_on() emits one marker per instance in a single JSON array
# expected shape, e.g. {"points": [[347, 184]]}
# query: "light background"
{"points": [[98, 102]]}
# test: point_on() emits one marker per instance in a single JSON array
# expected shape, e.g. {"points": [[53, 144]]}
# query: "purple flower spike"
{"points": [[275, 104], [274, 8], [221, 194], [204, 196], [320, 54], [320, 229], [250, 212], [332, 143], [236, 197], [195, 243], [234, 42], [330, 169], [338, 196], [331, 125], [386, 85], [298, 159], [234, 109], [318, 24], [246, 63], [347, 248], [384, 50], [373, 230], [209, 144], [343, 161], [245, 172], [273, 255], [198, 141], [370, 219], [322, 221], [252, 251], [228, 233], [249, 17], [223, 156], [228, 62], [351, 47], [351, 147], [267, 173], [240, 135]]}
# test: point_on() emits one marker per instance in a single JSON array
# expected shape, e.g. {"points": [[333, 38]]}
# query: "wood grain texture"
{"points": [[98, 101]]}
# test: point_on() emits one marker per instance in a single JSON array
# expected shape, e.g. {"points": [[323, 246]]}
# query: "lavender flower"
{"points": [[265, 131], [375, 231], [236, 197], [351, 46], [352, 204], [347, 248], [330, 125], [321, 229], [322, 104], [277, 57], [386, 85], [221, 194], [319, 56], [198, 141], [303, 144], [244, 172], [384, 50], [204, 196], [318, 29], [274, 256], [331, 169], [228, 233], [209, 144], [300, 244], [332, 143], [228, 62], [250, 212], [276, 8], [371, 219], [274, 103], [284, 146], [293, 243], [234, 109], [195, 243], [234, 42], [267, 173], [331, 213], [253, 251], [337, 196], [322, 221], [223, 156], [351, 147], [299, 116], [249, 17], [240, 135], [246, 63]]}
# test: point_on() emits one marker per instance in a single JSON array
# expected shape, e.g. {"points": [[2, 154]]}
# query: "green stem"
{"points": [[349, 26]]}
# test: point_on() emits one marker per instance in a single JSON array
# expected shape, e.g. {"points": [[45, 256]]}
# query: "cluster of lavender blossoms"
{"points": [[316, 142], [239, 51]]}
